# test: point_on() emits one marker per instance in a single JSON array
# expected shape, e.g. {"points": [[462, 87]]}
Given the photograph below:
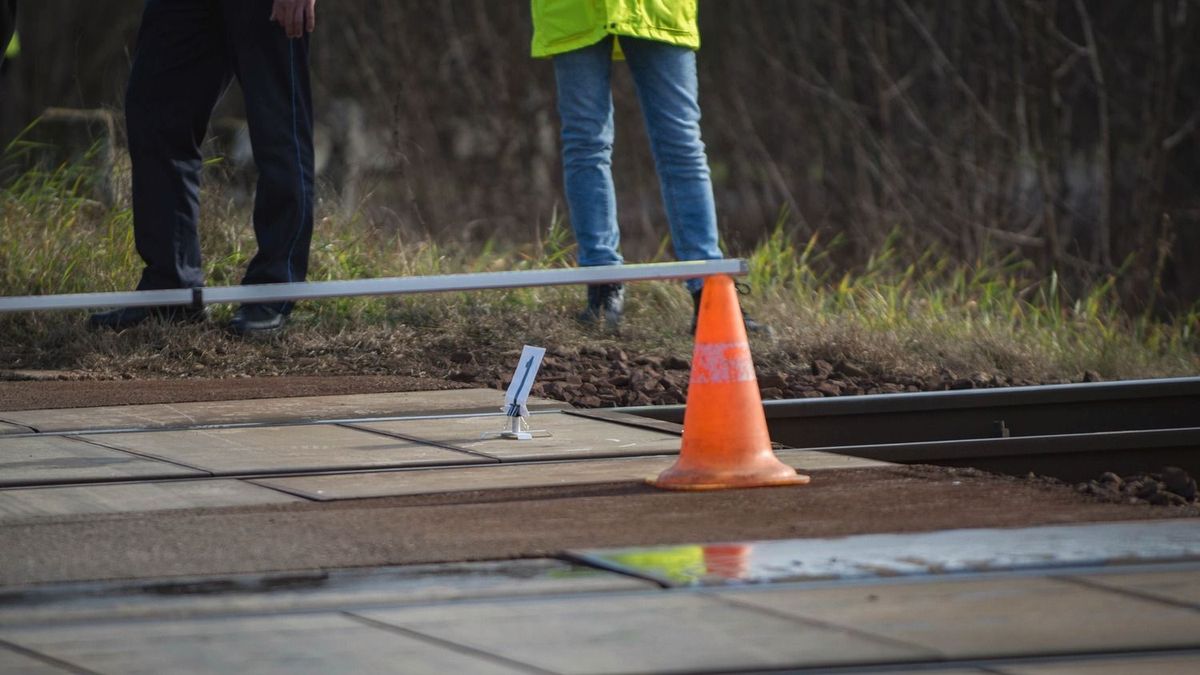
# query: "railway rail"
{"points": [[1070, 431]]}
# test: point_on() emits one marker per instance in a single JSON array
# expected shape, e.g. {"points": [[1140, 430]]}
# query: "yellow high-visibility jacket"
{"points": [[566, 25]]}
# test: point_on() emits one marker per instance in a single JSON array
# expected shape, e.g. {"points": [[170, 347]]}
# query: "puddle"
{"points": [[889, 555]]}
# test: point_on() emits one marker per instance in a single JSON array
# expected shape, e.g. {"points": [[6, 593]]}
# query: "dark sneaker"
{"points": [[128, 317], [752, 327], [605, 302], [252, 320]]}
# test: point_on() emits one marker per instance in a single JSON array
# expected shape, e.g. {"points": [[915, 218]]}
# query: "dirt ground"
{"points": [[585, 377], [30, 394], [530, 523]]}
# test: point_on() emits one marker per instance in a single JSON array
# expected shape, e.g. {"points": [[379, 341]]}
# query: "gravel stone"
{"points": [[829, 389], [851, 370], [822, 369], [676, 363], [773, 381], [1178, 481]]}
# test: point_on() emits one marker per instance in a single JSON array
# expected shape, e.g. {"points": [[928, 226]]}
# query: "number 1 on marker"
{"points": [[518, 392]]}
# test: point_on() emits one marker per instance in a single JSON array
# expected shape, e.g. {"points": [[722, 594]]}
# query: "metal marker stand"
{"points": [[517, 395], [520, 431]]}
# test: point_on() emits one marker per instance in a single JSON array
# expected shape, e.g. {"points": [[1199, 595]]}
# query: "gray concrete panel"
{"points": [[639, 633], [813, 460], [314, 643], [1171, 586], [491, 477], [572, 437], [304, 591], [73, 500], [1010, 616], [28, 460], [269, 410], [1110, 665], [8, 429], [931, 671], [277, 449], [16, 663], [511, 476]]}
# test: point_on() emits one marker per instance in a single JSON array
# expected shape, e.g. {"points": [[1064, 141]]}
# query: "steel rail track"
{"points": [[1069, 431]]}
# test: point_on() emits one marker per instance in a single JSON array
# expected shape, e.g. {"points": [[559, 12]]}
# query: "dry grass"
{"points": [[900, 315]]}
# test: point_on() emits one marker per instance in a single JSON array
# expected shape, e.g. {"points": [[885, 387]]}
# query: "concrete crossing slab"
{"points": [[15, 662], [280, 449], [640, 633], [1182, 587], [815, 460], [1179, 664], [512, 476], [19, 503], [1108, 664], [30, 460], [307, 643], [490, 477], [987, 618], [572, 437], [7, 429], [267, 411], [304, 591], [936, 669]]}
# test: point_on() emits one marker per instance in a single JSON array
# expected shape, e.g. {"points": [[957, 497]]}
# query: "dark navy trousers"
{"points": [[8, 25], [188, 52]]}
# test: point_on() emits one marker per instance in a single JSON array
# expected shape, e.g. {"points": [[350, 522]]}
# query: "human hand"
{"points": [[296, 16]]}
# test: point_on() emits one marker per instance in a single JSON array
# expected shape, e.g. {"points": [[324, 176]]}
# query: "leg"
{"points": [[8, 26], [273, 72], [585, 107], [665, 76], [179, 71]]}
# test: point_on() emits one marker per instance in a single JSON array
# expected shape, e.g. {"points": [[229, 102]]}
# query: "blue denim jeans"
{"points": [[667, 87]]}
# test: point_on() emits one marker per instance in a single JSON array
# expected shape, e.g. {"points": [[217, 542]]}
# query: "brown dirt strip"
{"points": [[530, 523], [54, 394]]}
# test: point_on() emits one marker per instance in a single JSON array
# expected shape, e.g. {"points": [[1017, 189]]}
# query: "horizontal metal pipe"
{"points": [[313, 290], [26, 303]]}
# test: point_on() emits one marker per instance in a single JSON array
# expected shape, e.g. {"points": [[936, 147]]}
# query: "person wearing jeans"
{"points": [[188, 51], [658, 39]]}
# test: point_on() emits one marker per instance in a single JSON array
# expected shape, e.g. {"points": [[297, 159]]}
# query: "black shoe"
{"points": [[128, 317], [752, 326], [605, 302], [257, 320]]}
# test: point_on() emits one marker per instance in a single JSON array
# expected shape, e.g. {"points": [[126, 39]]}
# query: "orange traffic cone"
{"points": [[725, 440]]}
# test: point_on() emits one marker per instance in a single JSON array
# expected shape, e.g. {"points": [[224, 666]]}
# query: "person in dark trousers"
{"points": [[188, 52]]}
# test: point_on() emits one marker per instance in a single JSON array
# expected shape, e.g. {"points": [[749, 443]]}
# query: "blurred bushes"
{"points": [[1062, 131]]}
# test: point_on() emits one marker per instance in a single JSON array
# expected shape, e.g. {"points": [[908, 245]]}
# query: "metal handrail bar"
{"points": [[313, 290]]}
